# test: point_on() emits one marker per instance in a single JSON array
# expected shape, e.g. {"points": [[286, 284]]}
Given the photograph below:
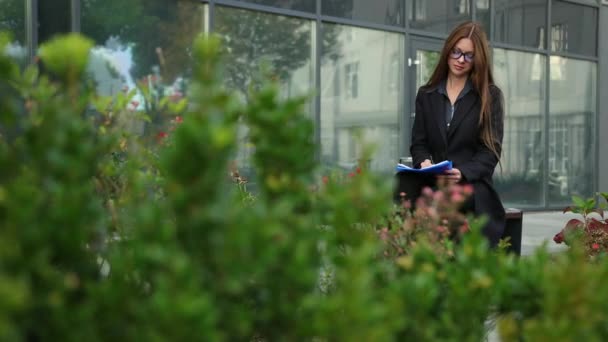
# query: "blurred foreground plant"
{"points": [[176, 252]]}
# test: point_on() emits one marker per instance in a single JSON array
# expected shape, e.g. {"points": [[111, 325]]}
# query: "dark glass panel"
{"points": [[573, 28], [298, 5], [439, 16], [54, 17], [521, 22], [388, 12]]}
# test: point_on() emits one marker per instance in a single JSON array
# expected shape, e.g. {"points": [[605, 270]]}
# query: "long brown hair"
{"points": [[480, 75]]}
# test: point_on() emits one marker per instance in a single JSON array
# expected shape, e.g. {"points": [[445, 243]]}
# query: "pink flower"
{"points": [[438, 196], [162, 135], [135, 103], [457, 197], [595, 246], [178, 119], [427, 192], [467, 189], [351, 175], [441, 229], [464, 228]]}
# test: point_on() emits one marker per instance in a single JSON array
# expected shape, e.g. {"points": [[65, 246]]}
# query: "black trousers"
{"points": [[409, 185]]}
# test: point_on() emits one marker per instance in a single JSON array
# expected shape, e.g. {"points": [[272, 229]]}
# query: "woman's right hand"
{"points": [[426, 163]]}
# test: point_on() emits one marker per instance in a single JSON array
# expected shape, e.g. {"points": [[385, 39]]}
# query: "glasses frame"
{"points": [[457, 53]]}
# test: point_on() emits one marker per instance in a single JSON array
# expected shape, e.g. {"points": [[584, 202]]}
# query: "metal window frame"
{"points": [[545, 171], [31, 28]]}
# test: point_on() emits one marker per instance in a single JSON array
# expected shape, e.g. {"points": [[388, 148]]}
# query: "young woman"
{"points": [[459, 117]]}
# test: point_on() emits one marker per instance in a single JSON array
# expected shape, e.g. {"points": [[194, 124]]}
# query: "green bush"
{"points": [[109, 235]]}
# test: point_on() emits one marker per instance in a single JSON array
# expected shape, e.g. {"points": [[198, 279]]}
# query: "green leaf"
{"points": [[579, 202], [67, 56], [30, 75]]}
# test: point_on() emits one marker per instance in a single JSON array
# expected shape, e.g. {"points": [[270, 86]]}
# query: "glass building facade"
{"points": [[361, 62]]}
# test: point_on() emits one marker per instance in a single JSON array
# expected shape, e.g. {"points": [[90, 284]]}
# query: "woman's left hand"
{"points": [[452, 176]]}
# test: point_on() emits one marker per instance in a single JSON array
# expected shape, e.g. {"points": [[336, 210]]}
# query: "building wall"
{"points": [[366, 58]]}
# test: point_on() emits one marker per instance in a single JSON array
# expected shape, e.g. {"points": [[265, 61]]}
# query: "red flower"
{"points": [[595, 246], [351, 175], [358, 170], [559, 237], [162, 135], [178, 119], [325, 179]]}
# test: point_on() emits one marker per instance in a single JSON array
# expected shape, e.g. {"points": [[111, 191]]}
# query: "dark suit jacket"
{"points": [[462, 144]]}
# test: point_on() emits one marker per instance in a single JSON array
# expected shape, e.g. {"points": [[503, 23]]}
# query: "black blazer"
{"points": [[461, 143]]}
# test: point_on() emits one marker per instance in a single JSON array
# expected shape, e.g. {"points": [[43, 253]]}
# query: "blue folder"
{"points": [[433, 169]]}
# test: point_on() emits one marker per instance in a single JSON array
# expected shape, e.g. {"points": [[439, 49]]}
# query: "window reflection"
{"points": [[12, 19], [573, 28], [388, 12], [299, 5], [283, 45], [356, 107], [521, 77], [521, 22], [255, 40], [572, 115], [142, 48], [437, 15]]}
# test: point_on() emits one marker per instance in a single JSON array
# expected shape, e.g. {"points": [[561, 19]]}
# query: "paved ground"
{"points": [[540, 227]]}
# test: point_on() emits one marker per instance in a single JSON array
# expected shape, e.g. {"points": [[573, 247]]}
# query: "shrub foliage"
{"points": [[106, 235]]}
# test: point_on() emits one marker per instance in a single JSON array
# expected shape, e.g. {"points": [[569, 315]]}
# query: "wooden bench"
{"points": [[513, 229]]}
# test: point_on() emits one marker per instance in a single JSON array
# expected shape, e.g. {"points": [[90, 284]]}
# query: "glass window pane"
{"points": [[572, 117], [521, 77], [573, 28], [253, 40], [388, 12], [54, 17], [437, 15], [12, 19], [298, 5], [142, 48], [361, 98], [521, 22], [483, 14]]}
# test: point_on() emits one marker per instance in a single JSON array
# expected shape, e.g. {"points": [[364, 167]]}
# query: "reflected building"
{"points": [[361, 62]]}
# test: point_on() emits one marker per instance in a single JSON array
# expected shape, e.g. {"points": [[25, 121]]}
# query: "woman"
{"points": [[459, 117]]}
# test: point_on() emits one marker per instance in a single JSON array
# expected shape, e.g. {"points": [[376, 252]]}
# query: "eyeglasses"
{"points": [[456, 54]]}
